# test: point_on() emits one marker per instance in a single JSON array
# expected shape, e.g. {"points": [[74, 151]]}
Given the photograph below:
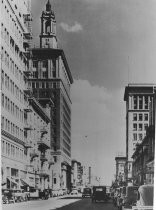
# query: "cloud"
{"points": [[73, 29]]}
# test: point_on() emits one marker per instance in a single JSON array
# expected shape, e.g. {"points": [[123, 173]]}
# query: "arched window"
{"points": [[48, 27]]}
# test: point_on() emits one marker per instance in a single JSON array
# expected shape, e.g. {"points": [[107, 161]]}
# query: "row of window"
{"points": [[12, 150], [14, 69], [66, 146], [44, 85], [138, 136], [139, 126], [12, 87], [140, 102], [11, 128], [140, 117], [12, 108], [66, 152], [11, 23]]}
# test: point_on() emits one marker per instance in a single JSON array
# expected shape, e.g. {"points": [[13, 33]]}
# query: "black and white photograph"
{"points": [[78, 104]]}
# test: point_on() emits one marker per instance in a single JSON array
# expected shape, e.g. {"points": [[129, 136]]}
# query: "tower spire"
{"points": [[48, 6], [48, 28]]}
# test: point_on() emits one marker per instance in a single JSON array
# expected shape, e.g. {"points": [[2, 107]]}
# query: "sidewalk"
{"points": [[50, 204]]}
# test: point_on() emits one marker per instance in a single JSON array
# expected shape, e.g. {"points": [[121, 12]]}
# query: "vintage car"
{"points": [[7, 196], [87, 192], [144, 198], [130, 198], [99, 194]]}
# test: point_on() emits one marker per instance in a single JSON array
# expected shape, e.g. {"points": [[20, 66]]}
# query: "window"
{"points": [[140, 102], [146, 102], [146, 117], [140, 127], [2, 77], [135, 102], [45, 64], [140, 136], [140, 117], [55, 159], [54, 180], [145, 126], [35, 64], [134, 127], [2, 101], [134, 117], [2, 122], [134, 136]]}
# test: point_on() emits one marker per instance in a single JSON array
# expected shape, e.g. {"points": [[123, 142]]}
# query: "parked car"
{"points": [[130, 197], [74, 192], [54, 193], [87, 192], [120, 197], [64, 191], [20, 195], [60, 192], [144, 198], [34, 193], [7, 196], [99, 194]]}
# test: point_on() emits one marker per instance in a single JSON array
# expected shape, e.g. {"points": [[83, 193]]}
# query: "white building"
{"points": [[14, 37]]}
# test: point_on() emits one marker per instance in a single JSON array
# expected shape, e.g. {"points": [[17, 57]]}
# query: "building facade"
{"points": [[120, 169], [15, 33], [50, 79], [143, 157], [77, 174], [137, 98]]}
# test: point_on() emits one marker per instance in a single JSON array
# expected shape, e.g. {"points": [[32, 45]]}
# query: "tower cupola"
{"points": [[48, 28]]}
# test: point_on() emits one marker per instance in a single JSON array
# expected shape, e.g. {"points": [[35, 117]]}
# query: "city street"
{"points": [[66, 203]]}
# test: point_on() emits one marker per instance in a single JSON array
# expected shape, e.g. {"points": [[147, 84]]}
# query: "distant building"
{"points": [[138, 98], [51, 80], [77, 171], [120, 169]]}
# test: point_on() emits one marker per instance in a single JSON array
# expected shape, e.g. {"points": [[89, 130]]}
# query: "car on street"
{"points": [[130, 197], [99, 194], [144, 198], [74, 192], [87, 192]]}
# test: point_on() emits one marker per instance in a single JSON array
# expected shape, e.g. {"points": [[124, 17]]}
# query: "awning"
{"points": [[25, 184], [12, 180]]}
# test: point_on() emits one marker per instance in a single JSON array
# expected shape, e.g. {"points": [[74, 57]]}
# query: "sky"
{"points": [[108, 44]]}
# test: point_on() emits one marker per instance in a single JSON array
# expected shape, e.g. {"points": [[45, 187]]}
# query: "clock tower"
{"points": [[48, 28]]}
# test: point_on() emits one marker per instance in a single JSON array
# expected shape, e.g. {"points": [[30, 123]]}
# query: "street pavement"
{"points": [[50, 204], [61, 203]]}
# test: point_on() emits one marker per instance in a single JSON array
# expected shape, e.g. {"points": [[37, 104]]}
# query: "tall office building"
{"points": [[50, 80], [137, 97], [15, 27]]}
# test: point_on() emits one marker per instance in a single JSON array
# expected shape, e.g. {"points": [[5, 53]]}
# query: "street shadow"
{"points": [[72, 197]]}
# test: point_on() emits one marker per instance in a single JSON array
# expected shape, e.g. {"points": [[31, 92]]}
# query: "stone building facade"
{"points": [[50, 80], [138, 98]]}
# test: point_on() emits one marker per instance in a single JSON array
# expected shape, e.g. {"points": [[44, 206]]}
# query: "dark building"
{"points": [[51, 80]]}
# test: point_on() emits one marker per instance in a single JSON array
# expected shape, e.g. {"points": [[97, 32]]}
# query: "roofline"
{"points": [[59, 52], [138, 85]]}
